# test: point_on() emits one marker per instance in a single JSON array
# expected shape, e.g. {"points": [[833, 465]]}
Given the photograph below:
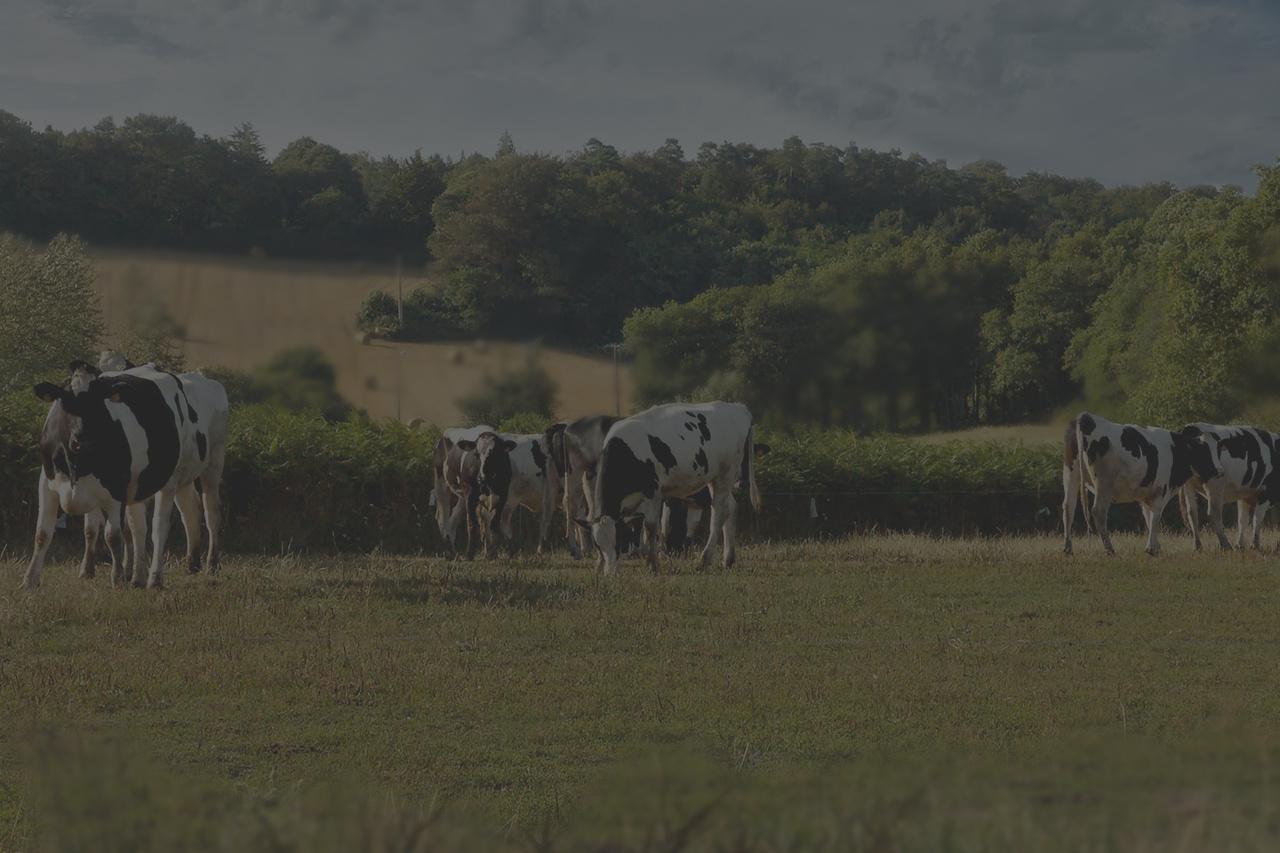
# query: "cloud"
{"points": [[804, 89], [553, 26], [113, 26]]}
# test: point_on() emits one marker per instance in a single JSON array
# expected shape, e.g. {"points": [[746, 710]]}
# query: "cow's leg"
{"points": [[453, 523], [1154, 513], [1070, 495], [115, 544], [92, 527], [1242, 516], [161, 517], [1189, 508], [730, 525], [189, 508], [46, 522], [1259, 516], [136, 515], [211, 486], [652, 517], [505, 517], [1101, 506], [570, 502], [1215, 498], [717, 522]]}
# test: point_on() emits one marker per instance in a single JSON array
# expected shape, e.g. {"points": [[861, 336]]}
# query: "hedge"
{"points": [[298, 482]]}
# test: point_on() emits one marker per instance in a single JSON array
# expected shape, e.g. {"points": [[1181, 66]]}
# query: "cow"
{"points": [[575, 450], [1122, 463], [450, 485], [515, 471], [672, 451], [115, 441], [460, 472], [1247, 458]]}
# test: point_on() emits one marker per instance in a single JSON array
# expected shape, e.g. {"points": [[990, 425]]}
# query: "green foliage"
{"points": [[149, 331], [49, 312], [427, 316], [525, 423], [526, 391], [298, 380]]}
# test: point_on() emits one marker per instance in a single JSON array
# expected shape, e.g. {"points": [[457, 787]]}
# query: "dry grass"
{"points": [[879, 693], [238, 312]]}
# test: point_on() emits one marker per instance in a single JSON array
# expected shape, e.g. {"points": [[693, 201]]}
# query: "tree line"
{"points": [[840, 286]]}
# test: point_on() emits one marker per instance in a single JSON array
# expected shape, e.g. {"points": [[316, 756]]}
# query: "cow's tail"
{"points": [[1081, 471], [749, 461]]}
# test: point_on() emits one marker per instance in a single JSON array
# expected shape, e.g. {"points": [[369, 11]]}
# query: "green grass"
{"points": [[881, 693]]}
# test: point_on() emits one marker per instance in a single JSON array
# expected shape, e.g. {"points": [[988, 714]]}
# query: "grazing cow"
{"points": [[449, 488], [672, 451], [575, 449], [515, 470], [121, 438], [1248, 461], [1121, 463], [460, 472]]}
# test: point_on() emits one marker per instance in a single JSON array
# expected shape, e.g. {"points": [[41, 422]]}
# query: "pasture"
{"points": [[875, 693]]}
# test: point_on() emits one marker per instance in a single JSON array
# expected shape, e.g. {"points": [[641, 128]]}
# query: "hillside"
{"points": [[238, 312]]}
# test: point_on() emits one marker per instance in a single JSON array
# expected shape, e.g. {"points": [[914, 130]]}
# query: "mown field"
{"points": [[876, 693], [239, 312]]}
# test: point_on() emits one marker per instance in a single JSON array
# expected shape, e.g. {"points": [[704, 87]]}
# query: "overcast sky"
{"points": [[1122, 90]]}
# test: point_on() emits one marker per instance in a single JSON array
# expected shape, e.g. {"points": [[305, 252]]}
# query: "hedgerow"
{"points": [[295, 481]]}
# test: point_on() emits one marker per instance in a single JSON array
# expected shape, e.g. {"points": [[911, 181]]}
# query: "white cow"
{"points": [[1122, 463], [1247, 458], [515, 471], [672, 451], [113, 442], [452, 485]]}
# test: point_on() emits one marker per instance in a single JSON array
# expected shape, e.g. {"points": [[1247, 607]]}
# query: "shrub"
{"points": [[299, 380], [528, 390]]}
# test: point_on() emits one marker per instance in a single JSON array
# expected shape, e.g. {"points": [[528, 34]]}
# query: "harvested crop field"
{"points": [[238, 312]]}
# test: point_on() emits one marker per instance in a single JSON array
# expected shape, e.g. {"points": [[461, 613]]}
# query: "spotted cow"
{"points": [[672, 451], [451, 484], [516, 471], [575, 450], [1121, 463], [1247, 457], [113, 441]]}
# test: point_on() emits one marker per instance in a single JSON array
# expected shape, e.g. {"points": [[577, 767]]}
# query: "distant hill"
{"points": [[238, 312]]}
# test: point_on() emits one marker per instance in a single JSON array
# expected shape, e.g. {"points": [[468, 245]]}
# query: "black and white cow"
{"points": [[1121, 463], [1247, 457], [515, 471], [114, 442], [575, 450], [449, 488], [672, 451], [459, 471]]}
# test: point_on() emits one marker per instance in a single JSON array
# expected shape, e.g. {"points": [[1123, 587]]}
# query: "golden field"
{"points": [[238, 312]]}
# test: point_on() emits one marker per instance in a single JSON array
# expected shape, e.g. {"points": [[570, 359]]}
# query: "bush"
{"points": [[299, 380], [427, 317], [526, 391], [525, 423]]}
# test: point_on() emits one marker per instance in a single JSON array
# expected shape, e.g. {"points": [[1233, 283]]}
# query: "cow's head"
{"points": [[84, 404], [493, 452], [606, 534]]}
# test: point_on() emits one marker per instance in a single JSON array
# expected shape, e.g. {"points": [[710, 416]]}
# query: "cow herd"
{"points": [[118, 436], [1122, 463], [650, 478]]}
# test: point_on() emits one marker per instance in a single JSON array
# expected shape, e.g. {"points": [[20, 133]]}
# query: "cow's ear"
{"points": [[110, 389], [49, 392], [466, 446], [85, 366], [509, 444], [582, 522]]}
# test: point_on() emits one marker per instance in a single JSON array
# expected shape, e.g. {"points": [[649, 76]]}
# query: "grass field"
{"points": [[238, 312], [1049, 433], [880, 693]]}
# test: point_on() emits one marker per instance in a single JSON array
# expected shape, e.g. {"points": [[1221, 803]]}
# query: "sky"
{"points": [[1125, 91]]}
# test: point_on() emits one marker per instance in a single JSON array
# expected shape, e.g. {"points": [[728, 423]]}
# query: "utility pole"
{"points": [[399, 292]]}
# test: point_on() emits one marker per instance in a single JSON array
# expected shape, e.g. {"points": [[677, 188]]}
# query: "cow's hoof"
{"points": [[1066, 548], [87, 574], [155, 583], [139, 583], [193, 567], [1153, 552]]}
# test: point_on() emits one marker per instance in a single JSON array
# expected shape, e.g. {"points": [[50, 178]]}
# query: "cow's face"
{"points": [[493, 452], [88, 423], [604, 532]]}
